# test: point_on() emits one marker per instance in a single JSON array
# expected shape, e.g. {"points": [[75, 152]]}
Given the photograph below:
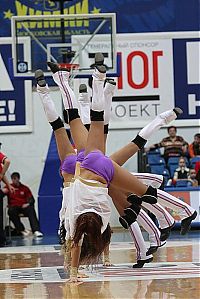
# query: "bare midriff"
{"points": [[89, 175]]}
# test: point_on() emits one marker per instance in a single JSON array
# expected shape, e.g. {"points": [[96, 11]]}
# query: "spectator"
{"points": [[194, 147], [173, 145], [182, 172], [4, 165], [192, 177], [197, 169], [22, 202]]}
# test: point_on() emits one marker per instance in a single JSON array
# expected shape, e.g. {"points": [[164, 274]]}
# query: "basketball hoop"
{"points": [[72, 67]]}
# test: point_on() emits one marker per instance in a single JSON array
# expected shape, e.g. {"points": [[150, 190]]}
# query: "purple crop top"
{"points": [[69, 164], [100, 164]]}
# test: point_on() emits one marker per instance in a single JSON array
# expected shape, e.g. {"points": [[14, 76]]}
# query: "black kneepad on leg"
{"points": [[150, 196], [70, 114], [133, 198], [96, 115], [57, 124], [125, 221], [130, 216], [139, 141]]}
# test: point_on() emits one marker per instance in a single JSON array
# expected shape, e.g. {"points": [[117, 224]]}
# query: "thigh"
{"points": [[126, 152], [126, 181], [79, 133], [63, 143], [13, 211], [119, 199]]}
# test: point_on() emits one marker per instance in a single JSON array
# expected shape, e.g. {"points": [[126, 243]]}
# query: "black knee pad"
{"points": [[133, 198], [57, 124], [150, 196], [96, 115], [87, 126], [139, 141], [125, 221], [135, 208], [105, 129], [70, 114]]}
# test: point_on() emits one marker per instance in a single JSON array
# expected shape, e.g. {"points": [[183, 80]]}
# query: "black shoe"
{"points": [[110, 81], [140, 263], [99, 59], [82, 88], [101, 68], [39, 76], [165, 232], [153, 249], [178, 111], [53, 66], [186, 223]]}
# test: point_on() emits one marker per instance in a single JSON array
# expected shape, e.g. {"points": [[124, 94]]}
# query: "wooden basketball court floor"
{"points": [[36, 272]]}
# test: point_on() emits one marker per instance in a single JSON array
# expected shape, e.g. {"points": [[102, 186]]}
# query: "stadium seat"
{"points": [[172, 164], [155, 159], [157, 168], [155, 151], [183, 183], [166, 175]]}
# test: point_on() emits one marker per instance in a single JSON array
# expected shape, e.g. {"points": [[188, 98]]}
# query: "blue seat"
{"points": [[166, 175], [155, 159], [183, 183], [157, 168], [193, 161], [173, 161], [155, 151], [172, 168]]}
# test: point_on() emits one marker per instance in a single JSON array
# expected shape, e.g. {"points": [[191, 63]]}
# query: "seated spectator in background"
{"points": [[192, 177], [194, 147], [4, 165], [182, 172], [22, 202], [197, 169], [173, 145]]}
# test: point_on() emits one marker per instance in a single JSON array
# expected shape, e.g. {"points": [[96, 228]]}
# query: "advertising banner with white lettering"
{"points": [[158, 71], [15, 95]]}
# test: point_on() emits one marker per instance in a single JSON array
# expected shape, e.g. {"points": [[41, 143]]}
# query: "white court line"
{"points": [[113, 247], [119, 272]]}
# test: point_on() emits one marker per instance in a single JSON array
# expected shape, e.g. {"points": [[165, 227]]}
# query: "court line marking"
{"points": [[118, 272]]}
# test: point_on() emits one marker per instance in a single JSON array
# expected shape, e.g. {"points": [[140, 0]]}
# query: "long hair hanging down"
{"points": [[94, 242]]}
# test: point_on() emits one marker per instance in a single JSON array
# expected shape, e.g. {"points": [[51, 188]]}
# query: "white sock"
{"points": [[61, 79], [84, 107], [97, 91], [47, 102], [160, 120], [97, 95], [108, 94]]}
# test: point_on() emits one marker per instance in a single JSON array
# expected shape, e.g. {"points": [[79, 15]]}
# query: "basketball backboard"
{"points": [[63, 39]]}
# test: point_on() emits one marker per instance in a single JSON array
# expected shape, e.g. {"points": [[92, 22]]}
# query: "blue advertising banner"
{"points": [[187, 77], [15, 96]]}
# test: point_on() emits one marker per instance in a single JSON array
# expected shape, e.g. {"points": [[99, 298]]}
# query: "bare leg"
{"points": [[122, 155], [125, 153], [64, 146], [124, 180]]}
